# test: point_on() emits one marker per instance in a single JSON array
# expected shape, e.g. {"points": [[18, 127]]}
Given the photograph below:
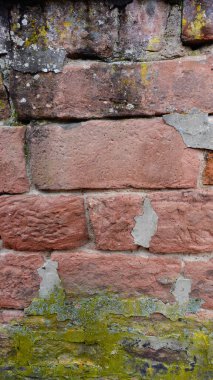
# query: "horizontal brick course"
{"points": [[89, 272], [95, 89], [138, 153]]}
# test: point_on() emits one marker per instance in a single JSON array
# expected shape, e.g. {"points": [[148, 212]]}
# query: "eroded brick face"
{"points": [[106, 199], [13, 175], [37, 223], [108, 154], [208, 172], [94, 89], [19, 279]]}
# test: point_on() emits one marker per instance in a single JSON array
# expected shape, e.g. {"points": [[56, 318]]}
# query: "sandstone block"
{"points": [[185, 222], [19, 280], [97, 89], [111, 154], [4, 105], [112, 219], [37, 223], [13, 177], [89, 272]]}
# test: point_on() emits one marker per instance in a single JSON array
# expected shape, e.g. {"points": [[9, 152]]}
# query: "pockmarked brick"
{"points": [[197, 21], [201, 275], [143, 26], [90, 272], [97, 89], [4, 104], [185, 222], [13, 176], [112, 219], [208, 171], [19, 279], [80, 28], [37, 223], [138, 153]]}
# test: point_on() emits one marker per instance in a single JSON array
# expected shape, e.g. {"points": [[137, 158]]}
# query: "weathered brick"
{"points": [[201, 274], [112, 219], [90, 272], [111, 154], [19, 280], [37, 223], [208, 172], [197, 22], [79, 28], [4, 105], [97, 89], [142, 28], [185, 222], [13, 177]]}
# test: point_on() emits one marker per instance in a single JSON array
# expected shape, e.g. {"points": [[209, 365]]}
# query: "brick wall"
{"points": [[106, 197]]}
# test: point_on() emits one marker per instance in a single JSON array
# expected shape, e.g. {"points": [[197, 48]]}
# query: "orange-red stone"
{"points": [[37, 223], [13, 177]]}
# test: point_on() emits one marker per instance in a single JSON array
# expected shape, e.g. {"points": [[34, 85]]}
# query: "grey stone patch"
{"points": [[158, 344], [33, 60], [181, 290], [4, 31], [145, 225], [50, 278], [196, 128]]}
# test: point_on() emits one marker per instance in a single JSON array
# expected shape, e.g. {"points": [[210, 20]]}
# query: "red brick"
{"points": [[13, 178], [201, 274], [185, 222], [89, 272], [98, 89], [37, 223], [143, 25], [112, 219], [19, 280], [208, 172], [111, 154], [4, 105], [197, 21]]}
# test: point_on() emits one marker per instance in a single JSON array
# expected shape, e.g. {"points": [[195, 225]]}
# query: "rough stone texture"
{"points": [[185, 222], [95, 89], [6, 316], [77, 28], [197, 22], [111, 154], [4, 105], [201, 274], [208, 172], [143, 26], [38, 223], [145, 225], [19, 280], [4, 30], [89, 272], [112, 219], [13, 178], [196, 128], [50, 279]]}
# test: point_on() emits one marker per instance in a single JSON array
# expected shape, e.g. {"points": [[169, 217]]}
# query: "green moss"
{"points": [[106, 337]]}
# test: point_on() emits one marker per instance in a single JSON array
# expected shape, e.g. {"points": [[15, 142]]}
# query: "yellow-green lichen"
{"points": [[105, 337]]}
